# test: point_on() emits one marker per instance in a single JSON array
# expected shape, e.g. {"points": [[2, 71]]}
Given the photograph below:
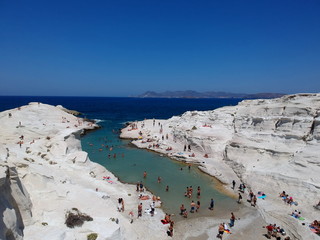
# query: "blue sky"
{"points": [[122, 48]]}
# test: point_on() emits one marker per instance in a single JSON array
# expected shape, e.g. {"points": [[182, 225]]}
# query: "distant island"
{"points": [[210, 94]]}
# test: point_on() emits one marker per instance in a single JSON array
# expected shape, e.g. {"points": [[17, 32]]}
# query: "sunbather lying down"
{"points": [[145, 197]]}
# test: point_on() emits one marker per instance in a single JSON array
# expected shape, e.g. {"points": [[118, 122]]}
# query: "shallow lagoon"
{"points": [[131, 162]]}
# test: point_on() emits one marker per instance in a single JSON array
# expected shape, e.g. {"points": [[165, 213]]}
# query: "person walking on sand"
{"points": [[232, 219]]}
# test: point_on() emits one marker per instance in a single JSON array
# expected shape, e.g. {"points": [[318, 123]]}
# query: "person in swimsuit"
{"points": [[220, 230]]}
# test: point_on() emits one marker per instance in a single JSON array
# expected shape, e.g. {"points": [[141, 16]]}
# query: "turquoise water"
{"points": [[130, 163]]}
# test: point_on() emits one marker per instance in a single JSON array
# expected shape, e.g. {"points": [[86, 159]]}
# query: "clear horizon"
{"points": [[125, 48]]}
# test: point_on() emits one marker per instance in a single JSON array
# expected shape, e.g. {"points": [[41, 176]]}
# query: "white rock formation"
{"points": [[271, 145], [44, 174]]}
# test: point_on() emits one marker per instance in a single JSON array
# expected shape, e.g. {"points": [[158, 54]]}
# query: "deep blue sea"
{"points": [[131, 162], [122, 109]]}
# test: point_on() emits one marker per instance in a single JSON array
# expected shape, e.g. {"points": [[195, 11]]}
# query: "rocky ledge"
{"points": [[270, 145]]}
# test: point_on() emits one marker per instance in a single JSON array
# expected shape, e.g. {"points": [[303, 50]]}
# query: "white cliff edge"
{"points": [[44, 174]]}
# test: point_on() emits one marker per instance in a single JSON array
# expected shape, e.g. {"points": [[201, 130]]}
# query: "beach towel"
{"points": [[262, 197], [300, 218]]}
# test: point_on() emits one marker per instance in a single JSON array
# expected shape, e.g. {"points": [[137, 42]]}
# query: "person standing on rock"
{"points": [[251, 196], [269, 231], [233, 184], [170, 230], [220, 230], [119, 205], [152, 206], [232, 219], [122, 205], [140, 210], [254, 201], [131, 216], [141, 187], [239, 198]]}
